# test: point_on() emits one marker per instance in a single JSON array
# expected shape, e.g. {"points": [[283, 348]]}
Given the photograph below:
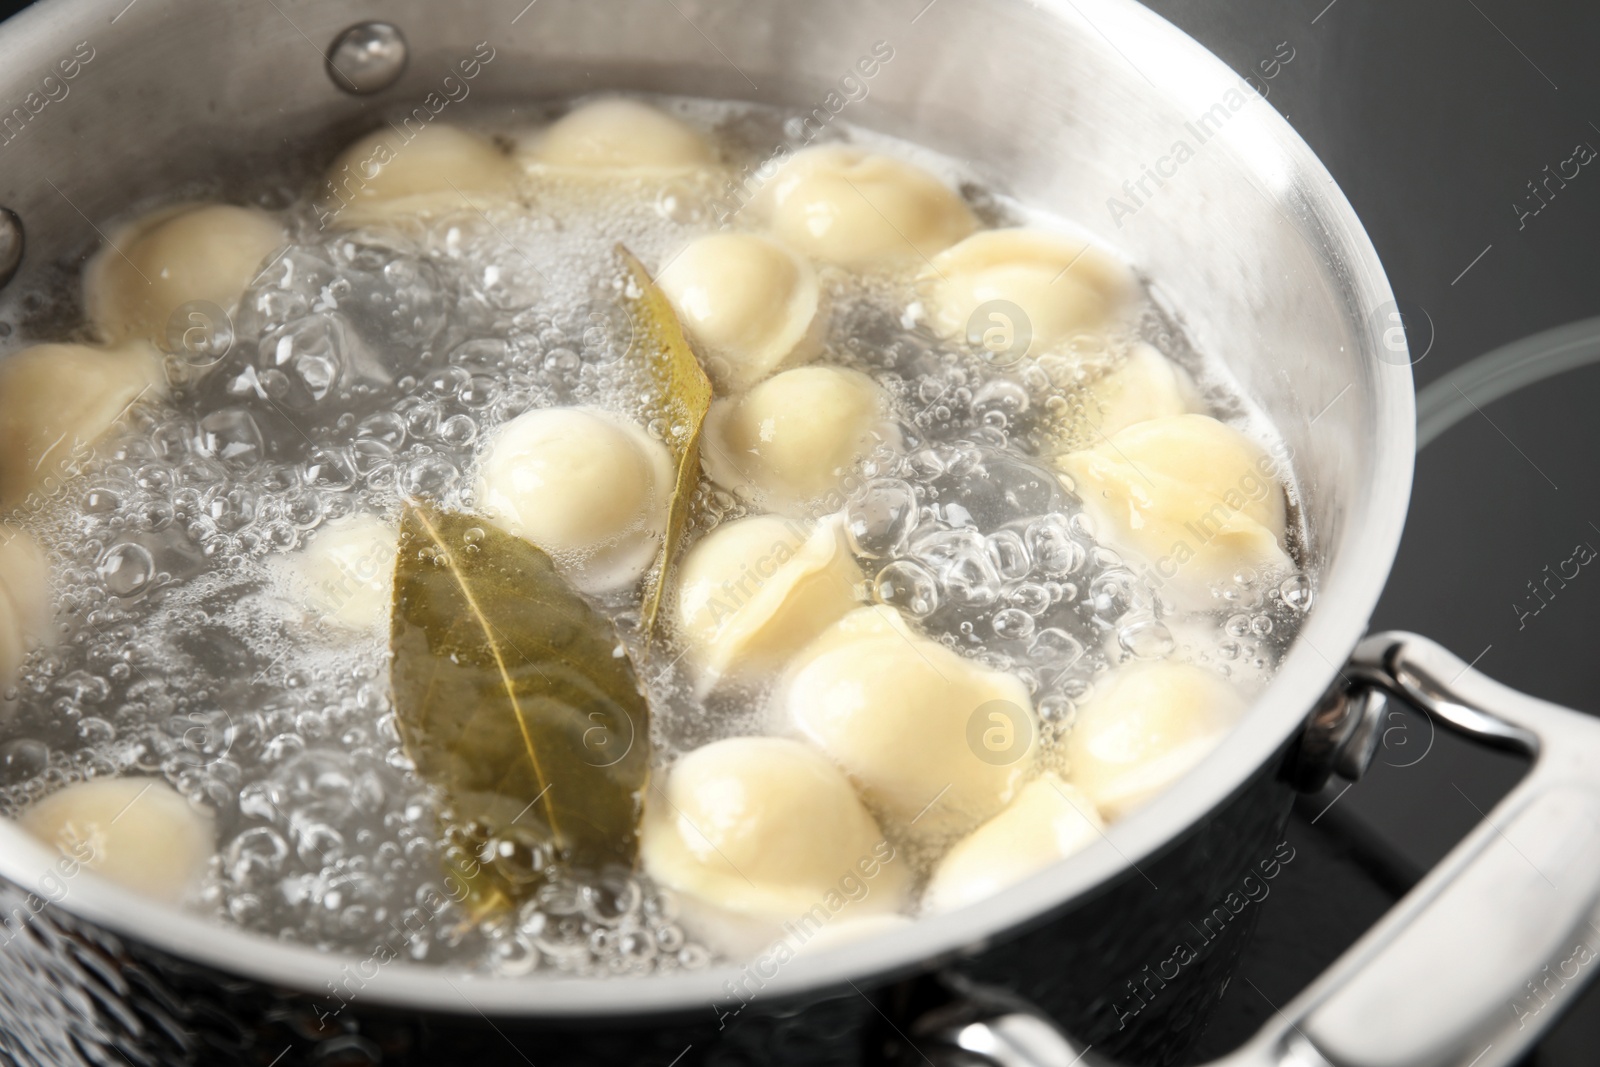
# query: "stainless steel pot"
{"points": [[1069, 104]]}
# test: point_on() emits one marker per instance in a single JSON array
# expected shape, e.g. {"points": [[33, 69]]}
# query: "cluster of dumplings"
{"points": [[900, 774]]}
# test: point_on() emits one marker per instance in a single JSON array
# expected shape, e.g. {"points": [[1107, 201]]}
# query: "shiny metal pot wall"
{"points": [[1063, 103]]}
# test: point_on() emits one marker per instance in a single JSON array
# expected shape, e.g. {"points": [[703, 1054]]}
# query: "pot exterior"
{"points": [[1255, 244], [1109, 969]]}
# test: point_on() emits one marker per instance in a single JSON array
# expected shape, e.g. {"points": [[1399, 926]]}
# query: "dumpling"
{"points": [[766, 830], [856, 208], [209, 252], [25, 607], [1145, 385], [1062, 285], [136, 831], [618, 134], [1195, 499], [747, 302], [588, 487], [345, 575], [1049, 821], [796, 436], [57, 401], [936, 743], [757, 590], [435, 170], [1143, 728]]}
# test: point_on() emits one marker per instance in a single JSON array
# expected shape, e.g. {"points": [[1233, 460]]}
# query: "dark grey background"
{"points": [[1433, 115]]}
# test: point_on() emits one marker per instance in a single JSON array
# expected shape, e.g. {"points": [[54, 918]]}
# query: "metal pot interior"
{"points": [[1058, 103]]}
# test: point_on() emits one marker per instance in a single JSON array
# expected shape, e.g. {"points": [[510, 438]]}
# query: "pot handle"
{"points": [[1478, 959]]}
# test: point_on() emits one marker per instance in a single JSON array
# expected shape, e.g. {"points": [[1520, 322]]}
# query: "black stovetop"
{"points": [[1433, 116]]}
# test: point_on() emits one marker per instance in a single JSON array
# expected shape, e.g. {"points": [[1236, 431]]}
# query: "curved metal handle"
{"points": [[1476, 961]]}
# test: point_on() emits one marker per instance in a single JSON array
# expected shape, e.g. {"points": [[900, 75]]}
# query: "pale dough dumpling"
{"points": [[25, 607], [794, 437], [766, 830], [438, 170], [856, 208], [908, 720], [1049, 821], [1145, 385], [345, 575], [586, 486], [136, 831], [757, 590], [618, 134], [1143, 728], [748, 303], [209, 252], [1195, 499], [57, 401], [1062, 285]]}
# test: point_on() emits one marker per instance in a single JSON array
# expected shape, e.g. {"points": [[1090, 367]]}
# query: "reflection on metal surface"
{"points": [[11, 245]]}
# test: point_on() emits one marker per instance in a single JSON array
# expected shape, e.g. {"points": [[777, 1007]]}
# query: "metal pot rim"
{"points": [[1363, 557]]}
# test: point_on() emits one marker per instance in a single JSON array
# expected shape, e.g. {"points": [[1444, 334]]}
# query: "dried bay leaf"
{"points": [[682, 398], [515, 698]]}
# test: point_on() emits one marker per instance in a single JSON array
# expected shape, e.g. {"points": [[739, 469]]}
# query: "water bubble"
{"points": [[302, 363], [386, 426], [909, 587], [458, 431], [101, 501], [126, 568], [255, 856], [880, 517], [22, 759], [1055, 549], [608, 333], [429, 477], [231, 435], [1031, 597], [1009, 554], [1055, 647], [1058, 709], [1001, 396], [1296, 592], [330, 470], [1012, 624], [960, 561], [1147, 639]]}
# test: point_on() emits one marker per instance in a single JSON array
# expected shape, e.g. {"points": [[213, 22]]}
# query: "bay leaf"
{"points": [[682, 398], [515, 698]]}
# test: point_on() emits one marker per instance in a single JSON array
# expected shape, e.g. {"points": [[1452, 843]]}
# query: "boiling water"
{"points": [[367, 367]]}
